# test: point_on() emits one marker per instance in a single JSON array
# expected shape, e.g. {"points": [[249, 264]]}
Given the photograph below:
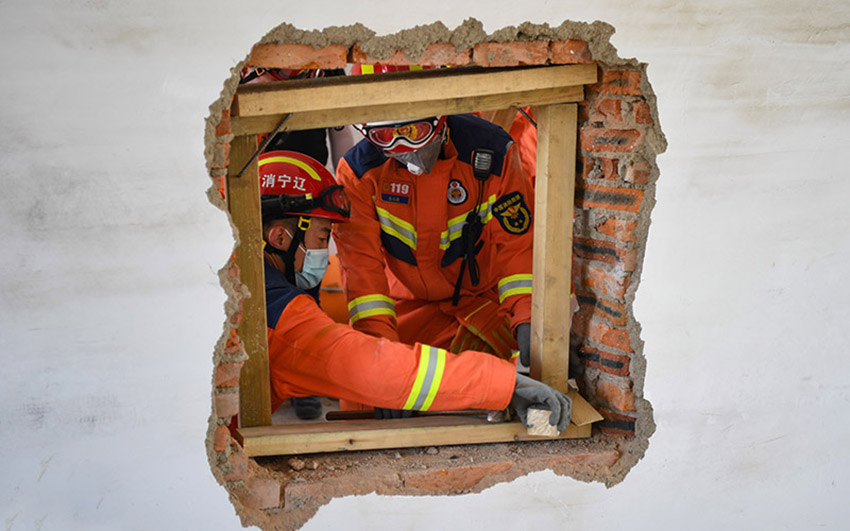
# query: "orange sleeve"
{"points": [[310, 354], [361, 260], [515, 250]]}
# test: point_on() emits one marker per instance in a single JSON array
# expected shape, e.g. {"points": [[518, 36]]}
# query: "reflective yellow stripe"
{"points": [[367, 69], [369, 306], [397, 227], [429, 375], [295, 162], [514, 285], [455, 225]]}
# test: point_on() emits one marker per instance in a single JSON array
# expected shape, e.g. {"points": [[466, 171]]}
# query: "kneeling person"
{"points": [[310, 354]]}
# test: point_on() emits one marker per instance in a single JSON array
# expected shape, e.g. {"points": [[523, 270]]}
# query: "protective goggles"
{"points": [[332, 199], [404, 136]]}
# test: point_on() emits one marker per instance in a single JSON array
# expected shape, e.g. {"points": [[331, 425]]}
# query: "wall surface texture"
{"points": [[110, 304]]}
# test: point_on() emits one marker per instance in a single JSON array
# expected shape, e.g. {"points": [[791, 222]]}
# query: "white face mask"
{"points": [[314, 267], [313, 270]]}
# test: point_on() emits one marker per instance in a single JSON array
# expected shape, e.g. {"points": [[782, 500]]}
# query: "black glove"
{"points": [[529, 392], [385, 413], [523, 338]]}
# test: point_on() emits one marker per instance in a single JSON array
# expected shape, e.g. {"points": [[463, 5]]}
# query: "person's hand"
{"points": [[386, 413], [529, 392], [523, 339]]}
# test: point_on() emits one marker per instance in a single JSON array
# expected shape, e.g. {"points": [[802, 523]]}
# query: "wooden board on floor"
{"points": [[381, 434], [339, 436]]}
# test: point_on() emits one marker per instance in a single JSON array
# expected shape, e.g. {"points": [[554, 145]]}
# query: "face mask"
{"points": [[421, 160], [313, 270]]}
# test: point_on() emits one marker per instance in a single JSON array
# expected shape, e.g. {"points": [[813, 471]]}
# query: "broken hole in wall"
{"points": [[618, 139]]}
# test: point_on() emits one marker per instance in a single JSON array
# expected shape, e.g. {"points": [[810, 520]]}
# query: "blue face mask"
{"points": [[313, 270]]}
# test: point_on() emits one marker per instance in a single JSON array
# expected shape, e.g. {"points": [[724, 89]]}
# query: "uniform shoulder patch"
{"points": [[512, 213]]}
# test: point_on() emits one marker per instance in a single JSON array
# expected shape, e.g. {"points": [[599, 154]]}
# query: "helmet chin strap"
{"points": [[288, 255]]}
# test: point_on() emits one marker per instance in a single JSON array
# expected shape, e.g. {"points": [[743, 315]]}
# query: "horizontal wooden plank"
{"points": [[382, 434], [405, 88], [402, 111]]}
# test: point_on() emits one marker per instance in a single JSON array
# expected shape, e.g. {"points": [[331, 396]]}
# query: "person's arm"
{"points": [[310, 354], [513, 238], [361, 260]]}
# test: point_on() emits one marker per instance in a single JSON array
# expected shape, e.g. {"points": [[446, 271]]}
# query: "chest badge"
{"points": [[457, 193], [393, 192], [512, 213]]}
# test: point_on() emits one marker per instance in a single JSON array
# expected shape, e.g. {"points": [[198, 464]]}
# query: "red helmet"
{"points": [[294, 184]]}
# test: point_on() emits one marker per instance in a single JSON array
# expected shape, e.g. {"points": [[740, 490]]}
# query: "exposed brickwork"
{"points": [[227, 374], [619, 82], [495, 54], [441, 54], [596, 139], [616, 364], [298, 56], [620, 229], [619, 397], [623, 199], [226, 404], [570, 52]]}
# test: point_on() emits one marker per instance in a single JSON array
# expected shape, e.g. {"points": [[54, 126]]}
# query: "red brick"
{"points": [[236, 318], [616, 423], [597, 168], [623, 199], [616, 396], [223, 127], [221, 441], [600, 139], [590, 304], [234, 344], [621, 229], [227, 374], [439, 54], [641, 113], [599, 279], [461, 478], [616, 364], [298, 56], [493, 54], [606, 110], [638, 172], [260, 493], [570, 52], [604, 252], [601, 332], [237, 465], [226, 404], [619, 82], [610, 170]]}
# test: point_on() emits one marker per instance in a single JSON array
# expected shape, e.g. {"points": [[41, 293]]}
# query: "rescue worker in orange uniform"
{"points": [[440, 240], [310, 354]]}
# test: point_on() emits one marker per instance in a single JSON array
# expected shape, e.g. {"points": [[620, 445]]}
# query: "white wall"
{"points": [[110, 305]]}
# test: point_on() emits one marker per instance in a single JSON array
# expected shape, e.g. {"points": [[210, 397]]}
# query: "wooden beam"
{"points": [[243, 197], [410, 88], [553, 244], [339, 436], [402, 111]]}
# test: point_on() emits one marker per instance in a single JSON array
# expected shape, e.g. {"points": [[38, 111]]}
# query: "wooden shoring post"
{"points": [[243, 199], [553, 243]]}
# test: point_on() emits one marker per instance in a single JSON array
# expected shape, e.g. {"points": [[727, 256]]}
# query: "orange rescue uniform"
{"points": [[402, 250], [310, 354]]}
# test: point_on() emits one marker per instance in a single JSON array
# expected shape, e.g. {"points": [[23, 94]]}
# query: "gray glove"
{"points": [[385, 413], [529, 392], [523, 338]]}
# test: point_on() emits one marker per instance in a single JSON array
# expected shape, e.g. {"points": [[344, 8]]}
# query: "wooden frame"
{"points": [[309, 104]]}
